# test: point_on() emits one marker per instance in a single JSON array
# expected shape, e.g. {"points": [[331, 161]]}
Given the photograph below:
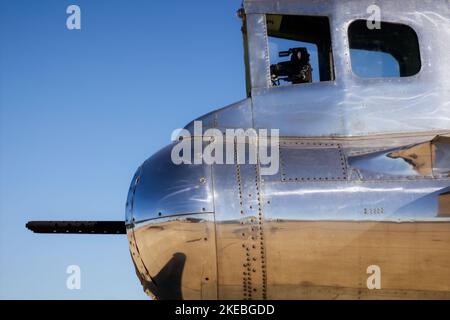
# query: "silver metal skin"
{"points": [[364, 180]]}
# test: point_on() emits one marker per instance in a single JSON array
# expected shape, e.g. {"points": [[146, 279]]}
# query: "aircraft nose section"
{"points": [[164, 189], [170, 225]]}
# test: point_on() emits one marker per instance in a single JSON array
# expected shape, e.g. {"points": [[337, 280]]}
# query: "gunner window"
{"points": [[300, 49], [390, 51]]}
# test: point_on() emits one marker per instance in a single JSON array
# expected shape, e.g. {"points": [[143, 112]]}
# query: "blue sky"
{"points": [[81, 109]]}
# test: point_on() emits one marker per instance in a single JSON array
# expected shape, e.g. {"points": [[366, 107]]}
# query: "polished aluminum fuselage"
{"points": [[364, 180]]}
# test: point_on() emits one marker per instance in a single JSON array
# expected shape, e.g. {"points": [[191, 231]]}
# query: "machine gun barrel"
{"points": [[79, 227]]}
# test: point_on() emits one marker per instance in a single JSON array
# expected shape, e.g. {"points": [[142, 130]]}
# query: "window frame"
{"points": [[377, 79], [332, 46]]}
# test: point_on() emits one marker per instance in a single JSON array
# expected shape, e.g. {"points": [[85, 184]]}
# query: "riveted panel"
{"points": [[240, 231], [311, 161], [141, 271]]}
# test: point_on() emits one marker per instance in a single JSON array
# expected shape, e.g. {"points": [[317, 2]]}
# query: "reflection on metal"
{"points": [[441, 156], [444, 205], [350, 105], [403, 162], [418, 157], [425, 159], [240, 233], [141, 271], [263, 228], [328, 260], [163, 188], [364, 179], [177, 256], [169, 279]]}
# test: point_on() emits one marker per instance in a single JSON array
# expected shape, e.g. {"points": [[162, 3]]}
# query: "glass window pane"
{"points": [[390, 51], [374, 64], [300, 49]]}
